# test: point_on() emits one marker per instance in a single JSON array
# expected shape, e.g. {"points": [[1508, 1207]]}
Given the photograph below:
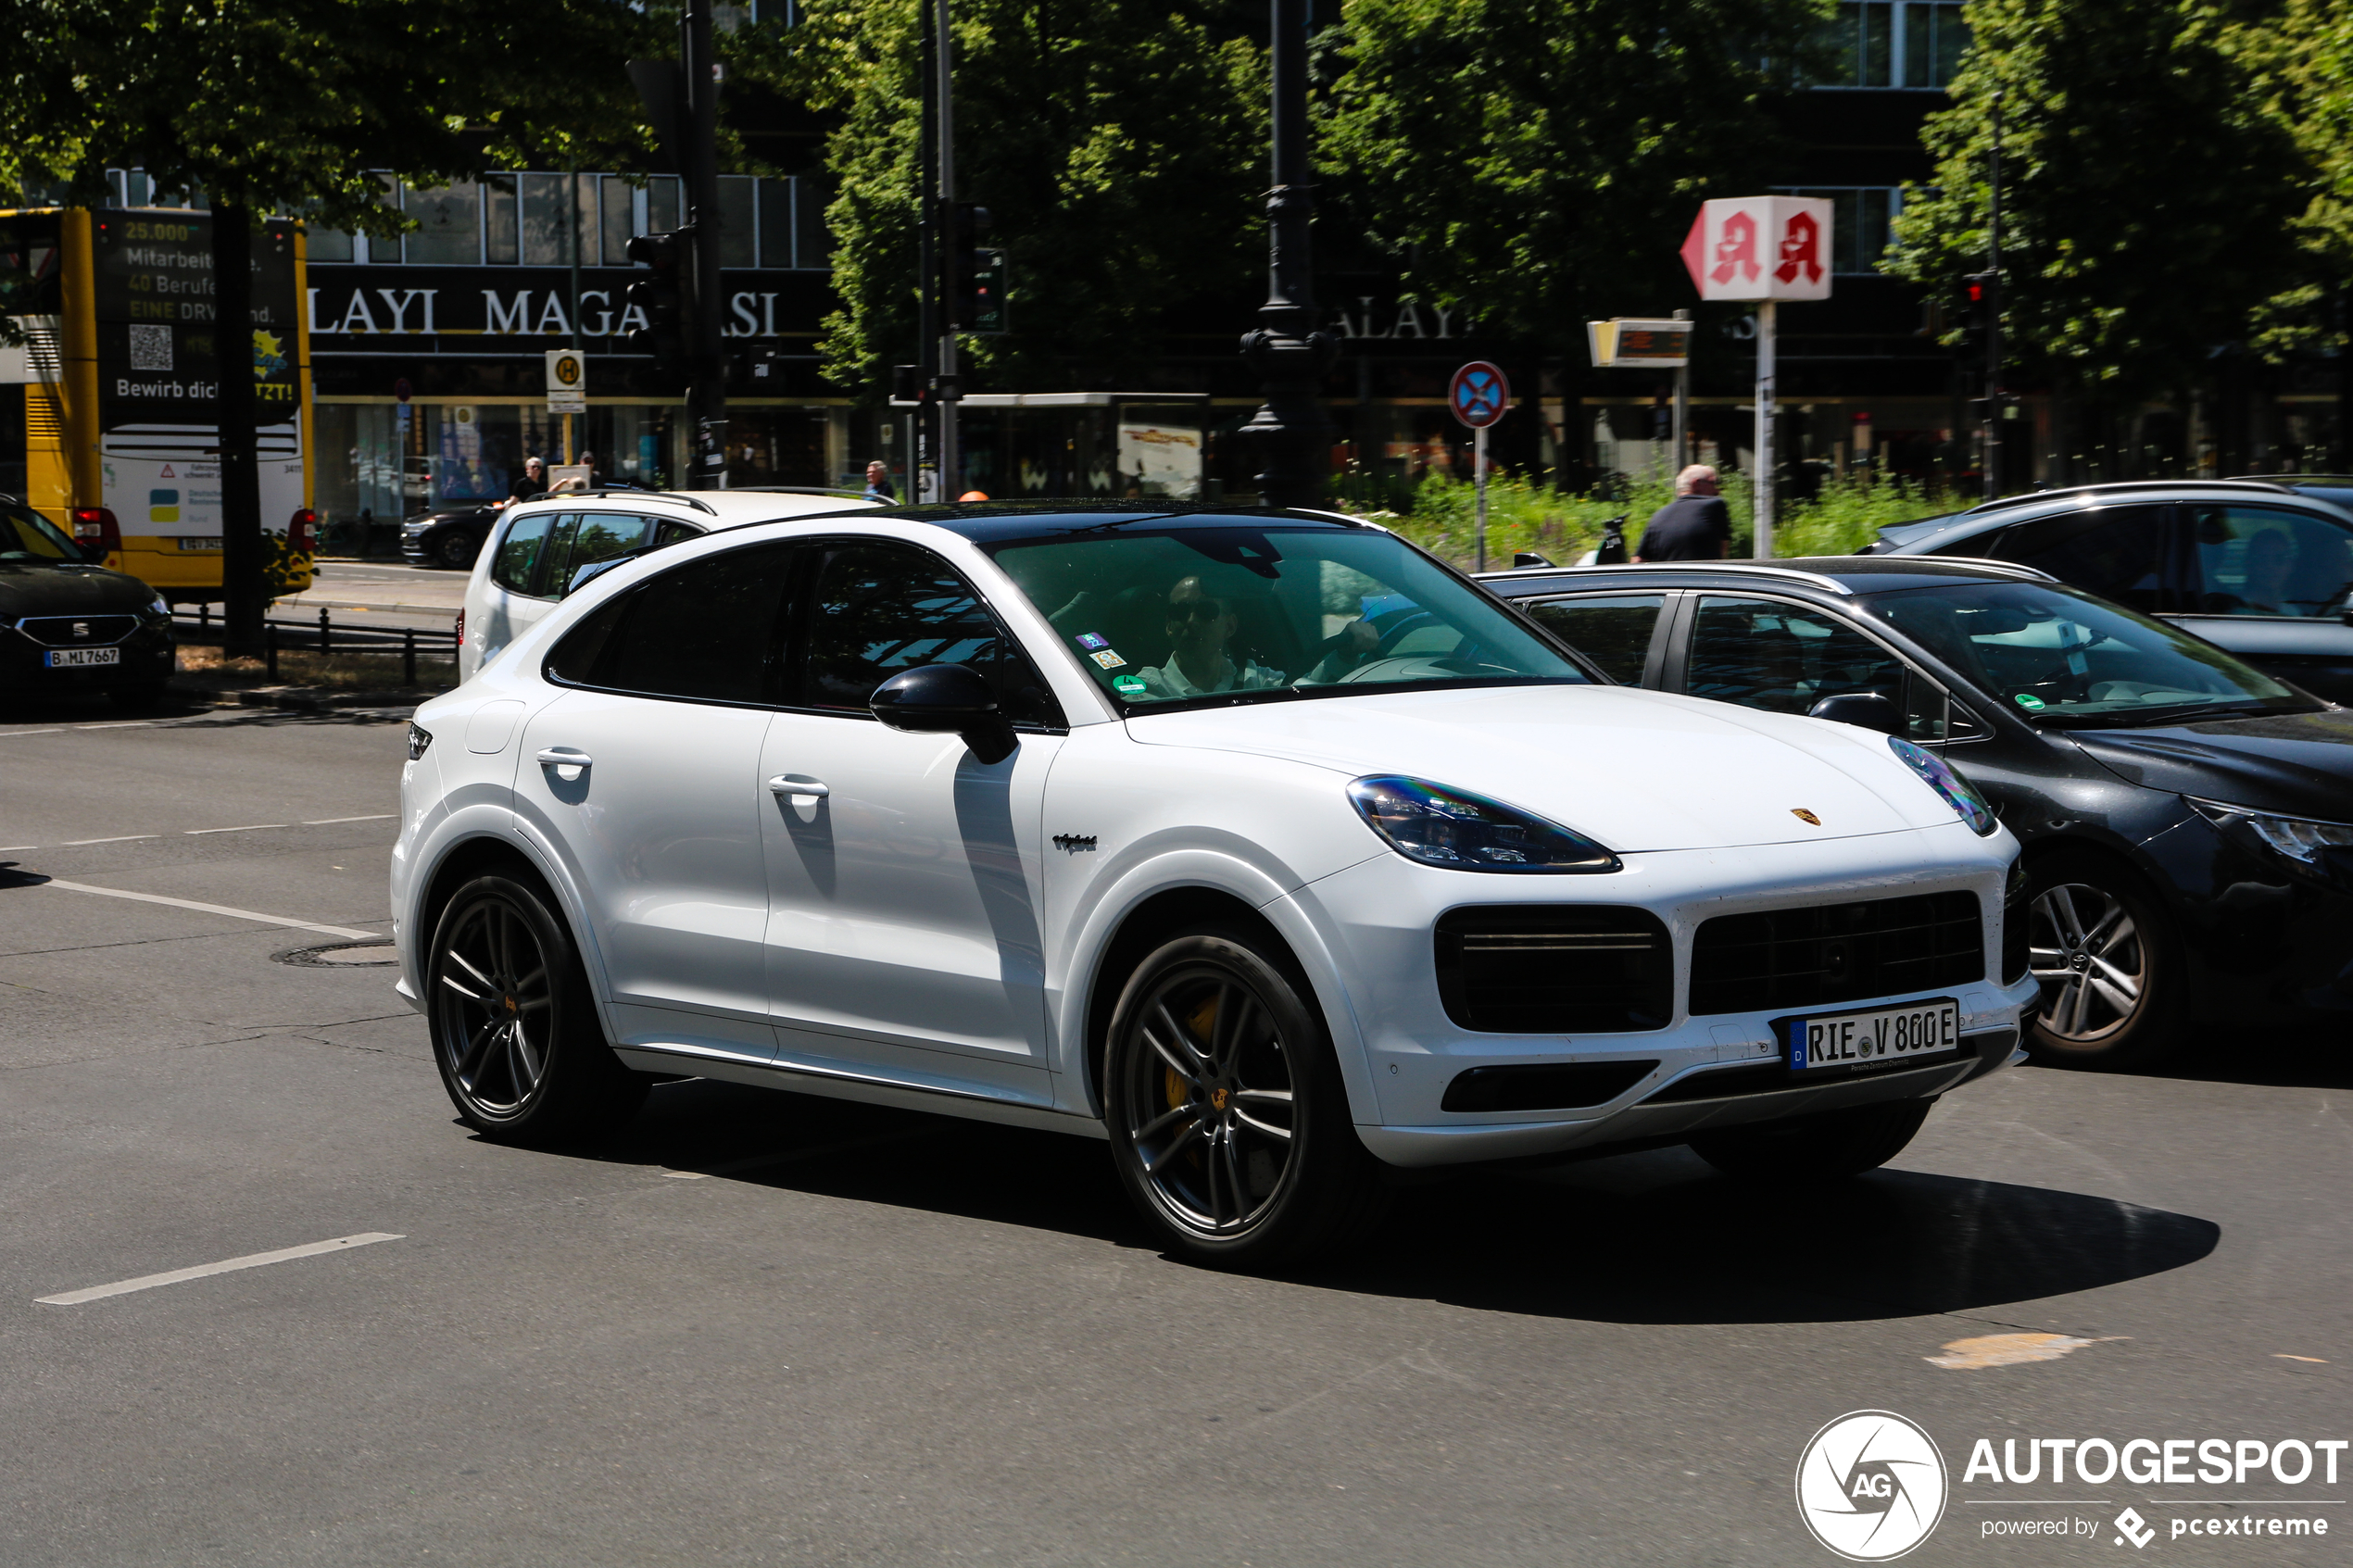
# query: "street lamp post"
{"points": [[1286, 351]]}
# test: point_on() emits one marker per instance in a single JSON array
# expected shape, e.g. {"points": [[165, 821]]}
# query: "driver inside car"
{"points": [[1200, 627]]}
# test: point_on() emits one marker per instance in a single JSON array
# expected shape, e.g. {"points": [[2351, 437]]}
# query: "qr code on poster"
{"points": [[151, 348]]}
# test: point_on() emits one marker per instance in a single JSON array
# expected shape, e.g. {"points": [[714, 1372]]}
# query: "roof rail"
{"points": [[798, 490], [625, 490], [2292, 480], [1815, 578], [2128, 485]]}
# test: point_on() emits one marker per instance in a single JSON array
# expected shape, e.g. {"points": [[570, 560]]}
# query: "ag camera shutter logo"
{"points": [[1870, 1485]]}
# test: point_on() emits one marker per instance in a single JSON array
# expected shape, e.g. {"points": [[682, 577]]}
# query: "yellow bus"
{"points": [[115, 435]]}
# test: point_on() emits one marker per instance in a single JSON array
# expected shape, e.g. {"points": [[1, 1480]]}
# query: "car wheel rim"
{"points": [[454, 551], [1212, 1118], [496, 1001], [2087, 952]]}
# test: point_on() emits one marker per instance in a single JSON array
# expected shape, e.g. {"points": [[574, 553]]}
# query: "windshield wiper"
{"points": [[2178, 713]]}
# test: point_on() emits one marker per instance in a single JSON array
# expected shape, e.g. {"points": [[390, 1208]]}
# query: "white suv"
{"points": [[535, 552], [1263, 846]]}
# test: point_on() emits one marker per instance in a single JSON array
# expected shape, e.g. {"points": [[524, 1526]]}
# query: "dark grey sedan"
{"points": [[2261, 567]]}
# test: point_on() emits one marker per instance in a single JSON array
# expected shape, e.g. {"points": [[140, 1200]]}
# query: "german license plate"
{"points": [[212, 543], [1916, 1031], [72, 659]]}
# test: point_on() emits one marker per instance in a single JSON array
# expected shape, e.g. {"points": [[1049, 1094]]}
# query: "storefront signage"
{"points": [[355, 307]]}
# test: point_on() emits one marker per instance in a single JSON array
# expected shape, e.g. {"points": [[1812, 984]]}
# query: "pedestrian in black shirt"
{"points": [[1695, 526], [530, 485]]}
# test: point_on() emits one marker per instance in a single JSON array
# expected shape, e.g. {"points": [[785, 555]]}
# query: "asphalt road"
{"points": [[770, 1329]]}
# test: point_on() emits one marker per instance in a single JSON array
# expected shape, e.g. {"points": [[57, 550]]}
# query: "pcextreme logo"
{"points": [[1870, 1485]]}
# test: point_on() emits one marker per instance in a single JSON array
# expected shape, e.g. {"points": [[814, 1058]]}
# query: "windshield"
{"points": [[1258, 611], [2056, 655], [26, 536]]}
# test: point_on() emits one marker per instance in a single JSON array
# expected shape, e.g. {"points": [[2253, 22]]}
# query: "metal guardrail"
{"points": [[325, 636]]}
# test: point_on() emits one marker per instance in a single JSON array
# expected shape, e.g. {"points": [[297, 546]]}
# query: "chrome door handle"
{"points": [[570, 763], [811, 788]]}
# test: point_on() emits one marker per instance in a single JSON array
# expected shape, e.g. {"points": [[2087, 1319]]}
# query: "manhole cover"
{"points": [[341, 955]]}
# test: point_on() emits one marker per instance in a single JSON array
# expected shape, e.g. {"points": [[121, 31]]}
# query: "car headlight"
{"points": [[419, 739], [2301, 839], [1938, 775], [159, 607], [1469, 833]]}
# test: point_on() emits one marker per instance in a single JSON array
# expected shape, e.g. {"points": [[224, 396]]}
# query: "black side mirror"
{"points": [[1867, 710], [946, 699]]}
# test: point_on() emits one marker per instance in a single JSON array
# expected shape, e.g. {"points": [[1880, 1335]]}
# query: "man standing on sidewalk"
{"points": [[1696, 525]]}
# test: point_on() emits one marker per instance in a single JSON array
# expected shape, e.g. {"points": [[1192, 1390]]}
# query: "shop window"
{"points": [[544, 203], [500, 241], [619, 220], [775, 223], [812, 241], [1894, 44], [448, 224], [739, 229]]}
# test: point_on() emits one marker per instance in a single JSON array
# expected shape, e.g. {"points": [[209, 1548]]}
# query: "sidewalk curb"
{"points": [[323, 699]]}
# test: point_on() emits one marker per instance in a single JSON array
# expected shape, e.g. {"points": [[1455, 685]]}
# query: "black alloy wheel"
{"points": [[2105, 954], [515, 1028], [1825, 1148], [455, 548], [1230, 1124]]}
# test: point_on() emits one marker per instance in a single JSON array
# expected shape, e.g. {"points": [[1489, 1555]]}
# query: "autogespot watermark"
{"points": [[1873, 1484]]}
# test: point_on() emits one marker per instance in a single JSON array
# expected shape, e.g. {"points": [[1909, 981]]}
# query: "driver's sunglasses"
{"points": [[1196, 610]]}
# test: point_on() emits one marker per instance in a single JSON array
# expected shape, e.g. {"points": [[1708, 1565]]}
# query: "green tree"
{"points": [[1119, 149], [1537, 162], [288, 105], [2150, 187]]}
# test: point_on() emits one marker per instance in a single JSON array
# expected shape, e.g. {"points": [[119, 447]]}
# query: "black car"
{"points": [[74, 628], [451, 537], [2261, 567], [2188, 819]]}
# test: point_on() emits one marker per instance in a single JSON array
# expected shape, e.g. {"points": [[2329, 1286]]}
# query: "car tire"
{"points": [[515, 1028], [2114, 992], [1830, 1146], [455, 550], [1230, 1124]]}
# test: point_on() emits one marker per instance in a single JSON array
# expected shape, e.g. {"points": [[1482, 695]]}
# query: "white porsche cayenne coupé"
{"points": [[1263, 846]]}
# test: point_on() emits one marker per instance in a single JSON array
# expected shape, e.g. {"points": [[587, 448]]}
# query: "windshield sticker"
{"points": [[2028, 701], [1107, 658], [1093, 640], [1127, 686]]}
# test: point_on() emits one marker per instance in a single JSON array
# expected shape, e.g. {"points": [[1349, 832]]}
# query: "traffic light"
{"points": [[966, 303], [662, 299]]}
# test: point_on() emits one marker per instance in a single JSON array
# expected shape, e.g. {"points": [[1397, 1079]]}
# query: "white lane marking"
{"points": [[378, 817], [135, 725], [227, 1265], [78, 843], [249, 827], [215, 909], [5, 849], [53, 730]]}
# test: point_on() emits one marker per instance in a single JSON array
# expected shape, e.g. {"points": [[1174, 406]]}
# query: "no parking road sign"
{"points": [[1478, 394]]}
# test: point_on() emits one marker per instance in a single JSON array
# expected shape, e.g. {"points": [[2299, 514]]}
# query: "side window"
{"points": [[705, 633], [1931, 714], [585, 539], [2267, 560], [519, 551], [881, 609], [669, 533], [1783, 658], [2116, 552], [1613, 629]]}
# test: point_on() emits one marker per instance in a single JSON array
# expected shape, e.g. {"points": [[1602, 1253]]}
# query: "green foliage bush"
{"points": [[1442, 518]]}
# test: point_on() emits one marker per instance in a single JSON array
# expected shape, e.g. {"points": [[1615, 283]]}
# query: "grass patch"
{"points": [[203, 667]]}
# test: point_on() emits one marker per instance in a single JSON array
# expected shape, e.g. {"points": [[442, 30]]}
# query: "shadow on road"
{"points": [[1653, 1238]]}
